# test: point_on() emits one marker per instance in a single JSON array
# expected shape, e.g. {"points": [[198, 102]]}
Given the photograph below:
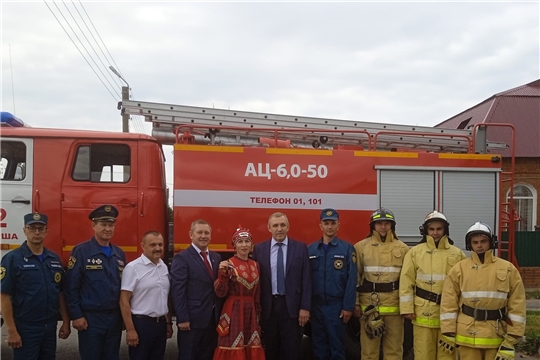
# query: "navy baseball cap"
{"points": [[104, 213], [35, 218], [329, 214]]}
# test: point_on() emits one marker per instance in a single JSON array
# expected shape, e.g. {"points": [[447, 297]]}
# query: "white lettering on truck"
{"points": [[293, 171]]}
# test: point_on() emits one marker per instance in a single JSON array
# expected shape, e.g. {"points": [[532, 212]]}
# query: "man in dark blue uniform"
{"points": [[31, 280], [334, 274], [93, 289]]}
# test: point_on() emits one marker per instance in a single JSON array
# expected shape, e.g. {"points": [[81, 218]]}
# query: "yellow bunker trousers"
{"points": [[392, 340], [426, 344], [469, 353]]}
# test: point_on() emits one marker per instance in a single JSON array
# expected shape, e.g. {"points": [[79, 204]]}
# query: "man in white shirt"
{"points": [[144, 301]]}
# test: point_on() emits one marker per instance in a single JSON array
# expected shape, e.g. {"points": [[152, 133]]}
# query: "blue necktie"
{"points": [[280, 270]]}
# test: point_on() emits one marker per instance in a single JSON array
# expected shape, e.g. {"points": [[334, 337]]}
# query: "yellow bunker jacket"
{"points": [[380, 262], [494, 285], [425, 268]]}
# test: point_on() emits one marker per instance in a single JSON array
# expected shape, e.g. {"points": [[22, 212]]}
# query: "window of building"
{"points": [[525, 200], [103, 163], [464, 123]]}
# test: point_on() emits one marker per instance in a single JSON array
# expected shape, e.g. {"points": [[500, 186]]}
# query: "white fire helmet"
{"points": [[480, 228], [435, 216]]}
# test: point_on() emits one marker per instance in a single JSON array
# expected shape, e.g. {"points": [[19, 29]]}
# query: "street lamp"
{"points": [[118, 74]]}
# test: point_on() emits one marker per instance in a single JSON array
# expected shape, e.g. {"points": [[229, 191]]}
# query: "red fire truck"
{"points": [[234, 167]]}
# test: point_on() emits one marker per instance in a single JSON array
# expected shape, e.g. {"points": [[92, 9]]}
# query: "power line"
{"points": [[139, 123], [137, 119], [115, 98], [115, 80], [115, 65], [85, 49]]}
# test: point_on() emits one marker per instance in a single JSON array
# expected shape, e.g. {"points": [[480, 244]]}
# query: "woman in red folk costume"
{"points": [[238, 280]]}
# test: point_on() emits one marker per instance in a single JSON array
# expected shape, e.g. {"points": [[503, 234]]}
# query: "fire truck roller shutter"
{"points": [[478, 190], [410, 194]]}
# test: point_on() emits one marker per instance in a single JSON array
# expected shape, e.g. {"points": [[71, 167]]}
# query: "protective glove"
{"points": [[506, 350], [448, 343], [374, 325]]}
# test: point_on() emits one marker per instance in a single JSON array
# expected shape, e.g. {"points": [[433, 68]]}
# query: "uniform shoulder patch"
{"points": [[71, 262], [57, 277], [2, 272], [354, 257]]}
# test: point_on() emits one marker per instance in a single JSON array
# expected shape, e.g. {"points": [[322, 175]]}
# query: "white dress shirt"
{"points": [[150, 286]]}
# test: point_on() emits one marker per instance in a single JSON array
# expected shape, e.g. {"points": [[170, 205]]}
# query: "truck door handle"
{"points": [[36, 201], [141, 203], [27, 202]]}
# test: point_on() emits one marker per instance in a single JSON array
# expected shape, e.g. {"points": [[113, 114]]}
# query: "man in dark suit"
{"points": [[197, 309], [285, 290]]}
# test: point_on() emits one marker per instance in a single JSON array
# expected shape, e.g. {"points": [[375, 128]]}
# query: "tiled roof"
{"points": [[519, 106]]}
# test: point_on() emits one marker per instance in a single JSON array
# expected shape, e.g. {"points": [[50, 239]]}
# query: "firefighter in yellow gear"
{"points": [[421, 282], [379, 260], [483, 301]]}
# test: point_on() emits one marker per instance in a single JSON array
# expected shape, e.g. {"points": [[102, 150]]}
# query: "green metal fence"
{"points": [[527, 248]]}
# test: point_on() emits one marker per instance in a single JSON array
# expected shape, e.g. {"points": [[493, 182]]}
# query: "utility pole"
{"points": [[125, 97], [125, 116]]}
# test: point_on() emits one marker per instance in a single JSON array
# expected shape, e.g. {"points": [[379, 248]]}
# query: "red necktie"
{"points": [[207, 263]]}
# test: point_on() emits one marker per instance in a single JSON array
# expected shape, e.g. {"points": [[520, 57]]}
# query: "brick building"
{"points": [[521, 108]]}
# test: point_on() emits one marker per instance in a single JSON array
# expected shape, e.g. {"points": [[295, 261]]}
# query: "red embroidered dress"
{"points": [[238, 329]]}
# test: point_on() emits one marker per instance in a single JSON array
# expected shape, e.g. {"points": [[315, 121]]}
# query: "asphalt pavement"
{"points": [[68, 350], [533, 304]]}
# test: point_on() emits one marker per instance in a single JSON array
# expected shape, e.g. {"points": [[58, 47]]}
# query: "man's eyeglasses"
{"points": [[35, 229]]}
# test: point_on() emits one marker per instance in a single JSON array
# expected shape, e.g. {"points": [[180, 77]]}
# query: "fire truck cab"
{"points": [[67, 173]]}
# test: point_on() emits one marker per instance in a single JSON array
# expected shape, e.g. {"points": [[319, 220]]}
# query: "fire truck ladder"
{"points": [[231, 127], [507, 211]]}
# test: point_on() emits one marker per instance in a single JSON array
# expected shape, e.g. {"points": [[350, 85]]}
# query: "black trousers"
{"points": [[281, 334], [152, 339], [197, 344]]}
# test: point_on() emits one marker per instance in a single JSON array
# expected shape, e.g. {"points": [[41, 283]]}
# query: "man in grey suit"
{"points": [[197, 308], [285, 279]]}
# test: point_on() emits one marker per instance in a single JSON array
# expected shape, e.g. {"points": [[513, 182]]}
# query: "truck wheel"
{"points": [[352, 339]]}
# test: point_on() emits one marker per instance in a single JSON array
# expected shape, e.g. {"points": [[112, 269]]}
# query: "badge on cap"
{"points": [[36, 217], [107, 208], [329, 213]]}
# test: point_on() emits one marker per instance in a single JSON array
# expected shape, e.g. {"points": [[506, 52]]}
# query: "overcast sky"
{"points": [[394, 62]]}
